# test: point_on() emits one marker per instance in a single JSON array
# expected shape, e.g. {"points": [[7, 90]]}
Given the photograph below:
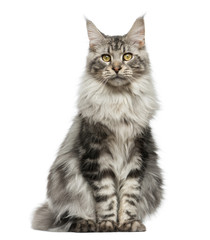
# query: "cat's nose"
{"points": [[116, 69]]}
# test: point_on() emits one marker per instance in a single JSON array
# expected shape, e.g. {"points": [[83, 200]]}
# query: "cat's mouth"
{"points": [[119, 77], [118, 80]]}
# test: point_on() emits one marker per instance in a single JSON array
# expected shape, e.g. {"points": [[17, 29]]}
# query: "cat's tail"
{"points": [[43, 218]]}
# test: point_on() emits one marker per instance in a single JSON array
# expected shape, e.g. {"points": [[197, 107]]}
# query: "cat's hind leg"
{"points": [[45, 220]]}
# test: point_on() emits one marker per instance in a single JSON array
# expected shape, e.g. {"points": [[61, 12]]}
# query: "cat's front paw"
{"points": [[132, 226], [83, 226], [107, 226]]}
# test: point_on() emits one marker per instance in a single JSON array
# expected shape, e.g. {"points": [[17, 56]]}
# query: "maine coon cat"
{"points": [[106, 176]]}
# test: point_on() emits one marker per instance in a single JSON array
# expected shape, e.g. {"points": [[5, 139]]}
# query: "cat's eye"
{"points": [[127, 56], [106, 58]]}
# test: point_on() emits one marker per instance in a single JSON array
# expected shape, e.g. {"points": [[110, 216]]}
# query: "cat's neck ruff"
{"points": [[118, 109]]}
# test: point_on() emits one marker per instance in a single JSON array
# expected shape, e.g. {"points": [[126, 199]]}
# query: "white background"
{"points": [[43, 47]]}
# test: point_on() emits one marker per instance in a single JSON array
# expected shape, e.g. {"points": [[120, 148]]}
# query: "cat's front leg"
{"points": [[129, 200], [103, 184], [106, 202], [95, 168]]}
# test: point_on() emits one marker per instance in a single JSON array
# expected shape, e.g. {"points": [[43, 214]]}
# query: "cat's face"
{"points": [[117, 60]]}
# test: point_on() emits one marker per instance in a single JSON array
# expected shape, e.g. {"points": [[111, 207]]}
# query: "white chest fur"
{"points": [[124, 112]]}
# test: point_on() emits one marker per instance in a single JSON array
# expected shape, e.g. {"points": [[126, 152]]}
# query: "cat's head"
{"points": [[117, 60]]}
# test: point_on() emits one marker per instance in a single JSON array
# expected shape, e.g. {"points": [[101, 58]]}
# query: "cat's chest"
{"points": [[121, 109], [114, 108], [121, 147]]}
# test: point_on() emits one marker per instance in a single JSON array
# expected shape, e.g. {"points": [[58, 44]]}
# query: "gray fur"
{"points": [[43, 218], [106, 176]]}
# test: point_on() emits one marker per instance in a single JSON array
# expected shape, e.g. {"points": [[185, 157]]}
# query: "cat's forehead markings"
{"points": [[116, 43]]}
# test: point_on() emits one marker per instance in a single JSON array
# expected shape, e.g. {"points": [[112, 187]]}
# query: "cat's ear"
{"points": [[136, 35], [95, 36]]}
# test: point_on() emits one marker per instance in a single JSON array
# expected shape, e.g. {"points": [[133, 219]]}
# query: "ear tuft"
{"points": [[136, 35], [95, 36]]}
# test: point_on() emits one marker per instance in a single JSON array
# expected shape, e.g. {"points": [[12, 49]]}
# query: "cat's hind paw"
{"points": [[132, 226], [83, 226]]}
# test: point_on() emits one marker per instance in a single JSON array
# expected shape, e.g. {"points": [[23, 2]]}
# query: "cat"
{"points": [[106, 176]]}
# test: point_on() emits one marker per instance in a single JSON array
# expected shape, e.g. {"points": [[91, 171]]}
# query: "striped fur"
{"points": [[106, 176]]}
